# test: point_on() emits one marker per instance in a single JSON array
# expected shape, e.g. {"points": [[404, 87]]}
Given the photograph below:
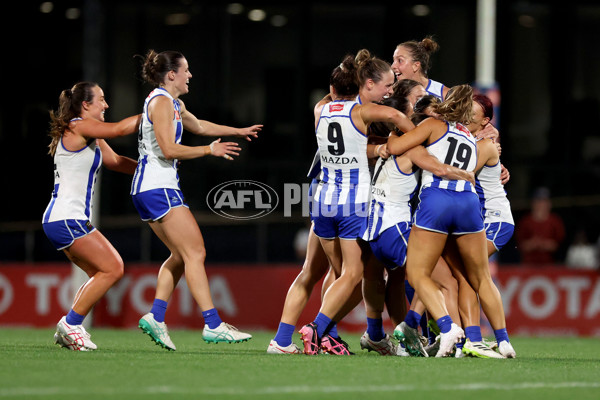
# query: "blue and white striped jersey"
{"points": [[457, 147], [154, 171], [315, 166], [435, 88], [391, 193], [75, 175], [345, 177]]}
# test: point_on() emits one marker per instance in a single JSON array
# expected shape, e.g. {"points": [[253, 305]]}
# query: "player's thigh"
{"points": [[443, 276], [180, 232], [473, 252], [316, 262], [94, 253], [424, 249]]}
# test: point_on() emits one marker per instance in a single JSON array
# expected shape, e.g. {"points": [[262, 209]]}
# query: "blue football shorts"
{"points": [[343, 221], [448, 211], [63, 233], [390, 246], [499, 233], [156, 203]]}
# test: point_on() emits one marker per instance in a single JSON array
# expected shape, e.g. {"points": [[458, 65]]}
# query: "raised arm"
{"points": [[488, 132], [421, 158], [372, 112], [92, 128], [161, 113], [207, 128], [399, 144]]}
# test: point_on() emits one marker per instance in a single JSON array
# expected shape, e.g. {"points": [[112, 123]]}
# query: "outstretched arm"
{"points": [[161, 112], [207, 128], [92, 128], [399, 144]]}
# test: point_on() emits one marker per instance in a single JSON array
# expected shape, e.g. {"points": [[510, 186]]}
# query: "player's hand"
{"points": [[250, 132], [471, 177], [382, 152], [488, 132], [225, 149], [504, 175]]}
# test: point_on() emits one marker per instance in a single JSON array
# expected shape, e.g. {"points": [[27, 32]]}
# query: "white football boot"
{"points": [[224, 333], [73, 337], [275, 348], [385, 347], [157, 331]]}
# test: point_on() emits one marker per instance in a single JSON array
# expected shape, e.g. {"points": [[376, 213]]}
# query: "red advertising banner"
{"points": [[549, 301]]}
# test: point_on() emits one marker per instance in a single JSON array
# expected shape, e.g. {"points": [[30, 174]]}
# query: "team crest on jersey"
{"points": [[177, 114], [336, 107]]}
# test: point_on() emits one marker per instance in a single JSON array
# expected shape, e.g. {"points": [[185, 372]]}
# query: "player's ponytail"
{"points": [[370, 67], [344, 77], [457, 106], [69, 107], [156, 65], [421, 52]]}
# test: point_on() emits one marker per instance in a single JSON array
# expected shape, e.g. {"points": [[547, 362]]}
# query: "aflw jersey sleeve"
{"points": [[154, 171], [391, 192], [75, 175], [345, 177], [436, 89], [457, 147], [495, 204]]}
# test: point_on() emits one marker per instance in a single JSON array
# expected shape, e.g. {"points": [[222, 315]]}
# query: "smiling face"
{"points": [[97, 106], [404, 66], [377, 91], [181, 78]]}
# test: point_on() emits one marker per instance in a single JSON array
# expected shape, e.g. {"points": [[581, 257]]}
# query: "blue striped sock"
{"points": [[74, 319], [159, 308], [375, 329], [473, 333], [284, 334], [211, 318]]}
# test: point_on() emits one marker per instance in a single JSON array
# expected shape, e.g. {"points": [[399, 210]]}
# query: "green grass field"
{"points": [[129, 366]]}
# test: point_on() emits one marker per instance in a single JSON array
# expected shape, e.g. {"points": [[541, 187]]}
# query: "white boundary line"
{"points": [[306, 389]]}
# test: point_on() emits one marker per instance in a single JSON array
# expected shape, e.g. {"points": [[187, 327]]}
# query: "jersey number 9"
{"points": [[334, 134]]}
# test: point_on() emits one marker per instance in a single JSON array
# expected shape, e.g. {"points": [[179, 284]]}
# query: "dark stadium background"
{"points": [[247, 72]]}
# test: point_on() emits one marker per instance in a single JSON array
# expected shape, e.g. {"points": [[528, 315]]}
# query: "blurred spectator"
{"points": [[582, 254], [540, 233]]}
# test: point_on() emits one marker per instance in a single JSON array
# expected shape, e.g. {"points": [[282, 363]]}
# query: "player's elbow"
{"points": [[169, 152]]}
